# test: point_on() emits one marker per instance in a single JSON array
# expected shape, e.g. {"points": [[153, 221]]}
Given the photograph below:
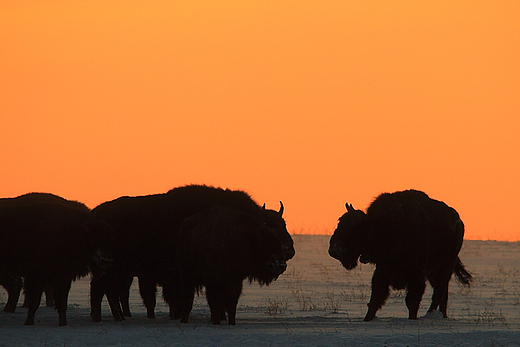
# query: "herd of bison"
{"points": [[197, 236]]}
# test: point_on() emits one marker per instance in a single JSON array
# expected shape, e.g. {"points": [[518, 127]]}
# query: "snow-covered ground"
{"points": [[316, 302]]}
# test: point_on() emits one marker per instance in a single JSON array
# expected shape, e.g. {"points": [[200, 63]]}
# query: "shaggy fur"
{"points": [[410, 238], [220, 248]]}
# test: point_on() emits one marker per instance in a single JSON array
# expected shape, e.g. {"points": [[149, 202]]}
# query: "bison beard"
{"points": [[410, 238], [217, 250], [146, 228], [48, 244]]}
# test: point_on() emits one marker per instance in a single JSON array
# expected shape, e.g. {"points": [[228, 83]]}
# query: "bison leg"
{"points": [[113, 286], [105, 283], [232, 294], [14, 286], [49, 295], [380, 292], [101, 285], [444, 304], [33, 294], [169, 295], [221, 299], [148, 290], [179, 295], [97, 291], [61, 288], [216, 303], [440, 293], [415, 291], [184, 304], [115, 307], [124, 295]]}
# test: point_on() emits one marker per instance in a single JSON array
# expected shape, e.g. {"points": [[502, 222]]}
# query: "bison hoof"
{"points": [[369, 317]]}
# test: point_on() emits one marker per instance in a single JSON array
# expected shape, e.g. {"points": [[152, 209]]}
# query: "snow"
{"points": [[316, 302]]}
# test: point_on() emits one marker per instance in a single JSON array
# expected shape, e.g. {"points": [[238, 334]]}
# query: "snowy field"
{"points": [[316, 302]]}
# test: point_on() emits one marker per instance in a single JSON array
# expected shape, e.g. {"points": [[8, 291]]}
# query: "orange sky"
{"points": [[313, 103]]}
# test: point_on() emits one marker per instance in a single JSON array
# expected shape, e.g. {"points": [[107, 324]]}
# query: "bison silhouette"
{"points": [[218, 249], [146, 229], [49, 244], [410, 238], [14, 284]]}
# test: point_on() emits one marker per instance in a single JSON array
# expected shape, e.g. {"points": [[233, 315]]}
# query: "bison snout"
{"points": [[277, 267], [281, 267], [335, 251], [289, 252]]}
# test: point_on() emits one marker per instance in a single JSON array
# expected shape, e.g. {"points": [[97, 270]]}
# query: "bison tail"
{"points": [[462, 274]]}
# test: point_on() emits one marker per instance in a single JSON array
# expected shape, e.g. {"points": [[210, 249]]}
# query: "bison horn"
{"points": [[263, 207], [281, 209], [349, 207]]}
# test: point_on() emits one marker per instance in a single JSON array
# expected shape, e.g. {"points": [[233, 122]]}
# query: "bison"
{"points": [[146, 228], [218, 249], [410, 238], [13, 285], [49, 243]]}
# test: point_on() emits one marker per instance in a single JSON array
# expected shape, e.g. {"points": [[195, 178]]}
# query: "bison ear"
{"points": [[281, 209]]}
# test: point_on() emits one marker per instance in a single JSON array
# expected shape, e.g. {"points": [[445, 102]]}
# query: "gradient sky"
{"points": [[312, 103]]}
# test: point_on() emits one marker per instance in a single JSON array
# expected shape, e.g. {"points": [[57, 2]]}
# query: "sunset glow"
{"points": [[312, 103]]}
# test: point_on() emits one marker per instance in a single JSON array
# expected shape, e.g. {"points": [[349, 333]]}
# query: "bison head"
{"points": [[273, 220], [348, 242], [269, 255]]}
